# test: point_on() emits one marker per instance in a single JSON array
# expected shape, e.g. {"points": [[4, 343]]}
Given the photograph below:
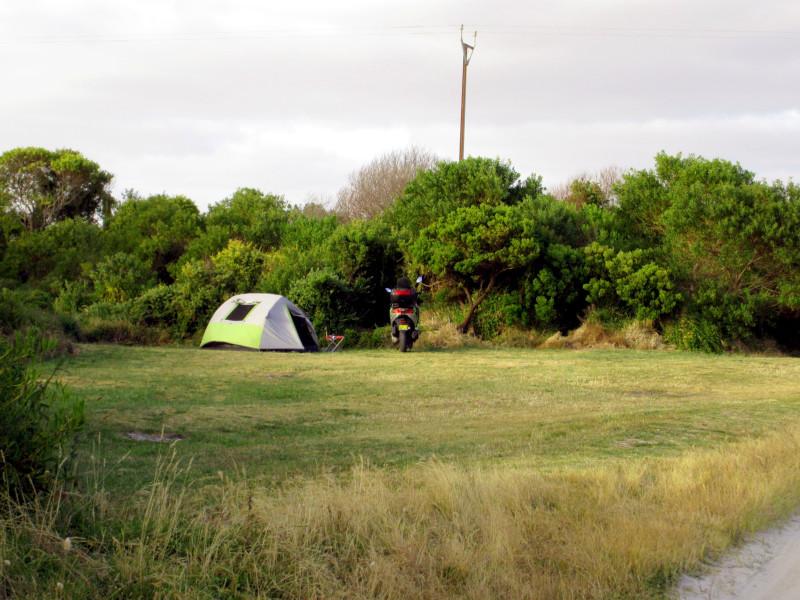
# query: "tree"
{"points": [[57, 253], [43, 186], [472, 182], [202, 284], [631, 280], [157, 229], [473, 247], [375, 186], [730, 240], [597, 188], [367, 257], [251, 216], [120, 277]]}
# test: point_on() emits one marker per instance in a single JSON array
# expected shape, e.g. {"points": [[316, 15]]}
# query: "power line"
{"points": [[410, 31]]}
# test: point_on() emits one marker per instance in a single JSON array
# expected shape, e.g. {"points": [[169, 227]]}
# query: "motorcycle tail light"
{"points": [[403, 311]]}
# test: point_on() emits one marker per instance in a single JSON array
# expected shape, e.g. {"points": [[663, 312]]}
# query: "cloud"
{"points": [[187, 97]]}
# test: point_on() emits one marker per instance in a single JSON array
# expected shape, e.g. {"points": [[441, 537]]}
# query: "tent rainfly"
{"points": [[260, 322]]}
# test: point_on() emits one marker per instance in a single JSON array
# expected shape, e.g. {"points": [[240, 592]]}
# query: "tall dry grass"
{"points": [[637, 335], [433, 531], [439, 332]]}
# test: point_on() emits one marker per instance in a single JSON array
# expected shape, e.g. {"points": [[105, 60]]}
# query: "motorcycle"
{"points": [[404, 316]]}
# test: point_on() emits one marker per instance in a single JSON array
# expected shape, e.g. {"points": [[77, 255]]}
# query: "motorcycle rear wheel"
{"points": [[404, 340]]}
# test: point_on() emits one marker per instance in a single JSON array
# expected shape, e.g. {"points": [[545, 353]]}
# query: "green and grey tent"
{"points": [[260, 322]]}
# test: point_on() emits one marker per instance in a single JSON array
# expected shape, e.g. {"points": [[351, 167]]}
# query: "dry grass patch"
{"points": [[439, 332], [636, 335], [432, 531]]}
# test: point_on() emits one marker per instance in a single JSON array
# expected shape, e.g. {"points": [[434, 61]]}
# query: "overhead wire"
{"points": [[406, 30]]}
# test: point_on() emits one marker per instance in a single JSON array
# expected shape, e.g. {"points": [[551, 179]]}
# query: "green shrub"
{"points": [[62, 251], [379, 337], [116, 323], [119, 331], [693, 333], [155, 306], [629, 279], [22, 311], [553, 295], [367, 257], [327, 301], [497, 312], [38, 419], [72, 297], [121, 277]]}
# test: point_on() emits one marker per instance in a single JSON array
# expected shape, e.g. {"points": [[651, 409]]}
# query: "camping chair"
{"points": [[334, 342]]}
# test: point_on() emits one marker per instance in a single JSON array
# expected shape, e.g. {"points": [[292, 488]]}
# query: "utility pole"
{"points": [[467, 50]]}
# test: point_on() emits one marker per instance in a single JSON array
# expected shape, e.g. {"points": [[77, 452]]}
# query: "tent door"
{"points": [[301, 325]]}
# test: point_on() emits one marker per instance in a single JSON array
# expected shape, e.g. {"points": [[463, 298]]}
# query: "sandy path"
{"points": [[767, 568]]}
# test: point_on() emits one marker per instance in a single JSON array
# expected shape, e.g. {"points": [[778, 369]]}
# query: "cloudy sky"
{"points": [[199, 97]]}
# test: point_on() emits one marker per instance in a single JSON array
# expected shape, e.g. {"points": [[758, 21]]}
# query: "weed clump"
{"points": [[38, 419]]}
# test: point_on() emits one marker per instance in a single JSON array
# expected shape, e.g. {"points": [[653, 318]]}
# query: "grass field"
{"points": [[280, 415], [476, 473]]}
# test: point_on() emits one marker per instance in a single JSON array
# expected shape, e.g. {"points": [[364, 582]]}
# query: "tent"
{"points": [[260, 322]]}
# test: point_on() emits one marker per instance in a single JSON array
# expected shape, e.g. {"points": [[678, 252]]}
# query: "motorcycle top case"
{"points": [[403, 298]]}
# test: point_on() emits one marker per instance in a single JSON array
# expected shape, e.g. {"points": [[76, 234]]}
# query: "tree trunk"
{"points": [[474, 303]]}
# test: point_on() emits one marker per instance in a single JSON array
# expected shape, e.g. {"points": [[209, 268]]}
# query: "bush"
{"points": [[367, 257], [693, 333], [60, 252], [155, 306], [202, 285], [553, 295], [630, 279], [121, 277], [380, 337], [72, 297], [24, 311], [38, 419], [327, 301], [119, 331], [498, 312]]}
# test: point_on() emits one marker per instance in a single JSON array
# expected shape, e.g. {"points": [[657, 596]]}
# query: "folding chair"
{"points": [[334, 342]]}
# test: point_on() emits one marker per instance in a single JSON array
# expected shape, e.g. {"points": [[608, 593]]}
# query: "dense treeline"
{"points": [[700, 248]]}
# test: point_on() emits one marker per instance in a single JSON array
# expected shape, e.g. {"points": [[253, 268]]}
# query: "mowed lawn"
{"points": [[276, 415]]}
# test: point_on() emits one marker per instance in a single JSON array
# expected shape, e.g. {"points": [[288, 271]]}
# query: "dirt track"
{"points": [[767, 568]]}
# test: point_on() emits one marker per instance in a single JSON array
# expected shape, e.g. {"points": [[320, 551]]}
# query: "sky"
{"points": [[201, 97]]}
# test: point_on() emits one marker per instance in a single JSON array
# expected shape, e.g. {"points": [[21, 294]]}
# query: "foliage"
{"points": [[26, 312], [302, 250], [248, 215], [473, 182], [156, 306], [375, 187], [43, 187], [368, 259], [498, 312], [62, 251], [202, 285], [690, 240], [728, 238], [552, 294], [695, 333], [157, 229], [327, 300], [474, 246], [630, 279], [120, 277], [584, 192], [38, 419]]}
